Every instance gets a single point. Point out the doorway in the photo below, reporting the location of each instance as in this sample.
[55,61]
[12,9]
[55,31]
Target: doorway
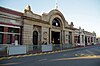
[85,40]
[35,38]
[55,37]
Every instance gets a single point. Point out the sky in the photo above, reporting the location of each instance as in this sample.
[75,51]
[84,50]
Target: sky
[84,13]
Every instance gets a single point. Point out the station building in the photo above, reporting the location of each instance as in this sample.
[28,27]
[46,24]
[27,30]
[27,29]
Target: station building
[31,28]
[83,37]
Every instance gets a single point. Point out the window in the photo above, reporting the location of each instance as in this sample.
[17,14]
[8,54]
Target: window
[1,38]
[6,20]
[13,30]
[17,38]
[82,38]
[75,39]
[9,38]
[70,37]
[79,39]
[1,29]
[1,19]
[56,22]
[13,21]
[88,40]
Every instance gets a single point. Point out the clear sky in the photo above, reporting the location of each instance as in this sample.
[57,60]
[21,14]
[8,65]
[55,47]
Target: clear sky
[84,13]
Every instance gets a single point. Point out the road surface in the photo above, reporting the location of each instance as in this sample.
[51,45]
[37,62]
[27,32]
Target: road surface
[85,56]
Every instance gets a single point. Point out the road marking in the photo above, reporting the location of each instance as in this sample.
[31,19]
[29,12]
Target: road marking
[42,60]
[90,52]
[45,53]
[35,54]
[1,58]
[25,55]
[85,55]
[96,49]
[39,54]
[75,58]
[49,52]
[76,54]
[52,52]
[10,63]
[30,54]
[9,57]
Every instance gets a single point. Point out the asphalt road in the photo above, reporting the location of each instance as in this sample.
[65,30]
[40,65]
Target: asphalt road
[85,56]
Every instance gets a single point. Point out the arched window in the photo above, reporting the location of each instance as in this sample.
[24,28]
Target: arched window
[56,22]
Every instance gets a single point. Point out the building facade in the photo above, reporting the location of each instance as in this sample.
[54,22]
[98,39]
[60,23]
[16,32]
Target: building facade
[47,28]
[10,26]
[84,37]
[98,40]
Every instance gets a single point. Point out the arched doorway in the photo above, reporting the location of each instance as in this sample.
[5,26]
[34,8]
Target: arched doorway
[55,35]
[35,38]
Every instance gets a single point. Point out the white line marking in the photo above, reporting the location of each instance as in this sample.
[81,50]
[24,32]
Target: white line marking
[90,52]
[96,50]
[42,60]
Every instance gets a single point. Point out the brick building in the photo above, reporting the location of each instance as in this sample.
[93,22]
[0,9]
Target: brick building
[10,26]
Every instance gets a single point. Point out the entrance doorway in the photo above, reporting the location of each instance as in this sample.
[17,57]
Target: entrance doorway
[85,40]
[35,38]
[55,37]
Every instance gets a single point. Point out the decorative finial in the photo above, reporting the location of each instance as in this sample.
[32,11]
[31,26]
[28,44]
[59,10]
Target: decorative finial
[79,27]
[28,8]
[71,24]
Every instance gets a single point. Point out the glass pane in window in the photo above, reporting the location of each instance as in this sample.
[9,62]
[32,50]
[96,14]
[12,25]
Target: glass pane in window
[56,22]
[13,21]
[1,29]
[1,19]
[1,38]
[9,39]
[16,37]
[13,30]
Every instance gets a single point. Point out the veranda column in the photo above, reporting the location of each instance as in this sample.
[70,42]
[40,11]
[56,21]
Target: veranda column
[90,40]
[80,39]
[84,40]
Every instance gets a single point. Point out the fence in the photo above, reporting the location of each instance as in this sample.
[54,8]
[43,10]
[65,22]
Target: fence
[26,49]
[62,46]
[33,48]
[3,50]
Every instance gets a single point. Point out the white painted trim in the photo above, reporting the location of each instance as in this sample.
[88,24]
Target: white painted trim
[10,33]
[9,26]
